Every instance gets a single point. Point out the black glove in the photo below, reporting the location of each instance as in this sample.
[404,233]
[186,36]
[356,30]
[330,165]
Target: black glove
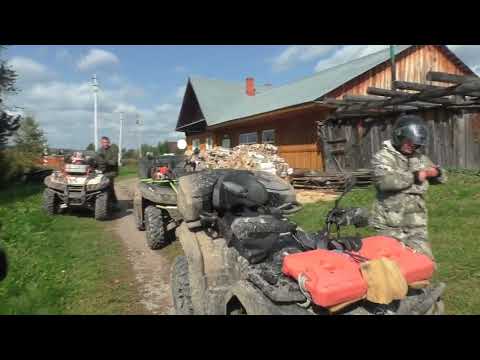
[351,243]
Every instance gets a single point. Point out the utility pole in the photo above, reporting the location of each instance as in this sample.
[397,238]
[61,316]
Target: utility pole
[95,121]
[120,141]
[393,68]
[139,123]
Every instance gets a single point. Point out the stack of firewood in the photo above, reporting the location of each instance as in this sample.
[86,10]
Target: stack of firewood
[248,157]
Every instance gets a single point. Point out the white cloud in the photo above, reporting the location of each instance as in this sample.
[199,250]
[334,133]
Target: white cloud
[29,70]
[347,53]
[469,54]
[326,55]
[164,108]
[95,58]
[65,112]
[295,54]
[180,91]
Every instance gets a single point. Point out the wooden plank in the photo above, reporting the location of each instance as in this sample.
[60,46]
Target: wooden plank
[460,140]
[391,93]
[449,78]
[451,134]
[433,140]
[362,98]
[425,95]
[406,85]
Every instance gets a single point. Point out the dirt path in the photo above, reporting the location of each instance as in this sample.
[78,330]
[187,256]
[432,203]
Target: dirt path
[151,268]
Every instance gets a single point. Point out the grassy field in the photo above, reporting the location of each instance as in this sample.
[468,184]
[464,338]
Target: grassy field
[67,264]
[128,170]
[454,230]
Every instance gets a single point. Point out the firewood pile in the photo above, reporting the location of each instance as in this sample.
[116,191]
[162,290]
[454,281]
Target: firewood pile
[248,157]
[325,181]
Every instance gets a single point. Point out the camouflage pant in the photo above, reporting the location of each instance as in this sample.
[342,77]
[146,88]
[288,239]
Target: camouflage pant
[111,189]
[414,237]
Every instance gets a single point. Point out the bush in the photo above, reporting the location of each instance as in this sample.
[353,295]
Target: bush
[129,162]
[14,164]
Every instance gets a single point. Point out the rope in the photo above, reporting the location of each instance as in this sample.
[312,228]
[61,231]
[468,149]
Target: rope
[302,278]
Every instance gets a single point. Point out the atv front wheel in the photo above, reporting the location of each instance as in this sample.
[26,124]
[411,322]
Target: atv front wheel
[102,206]
[137,209]
[180,281]
[51,203]
[155,227]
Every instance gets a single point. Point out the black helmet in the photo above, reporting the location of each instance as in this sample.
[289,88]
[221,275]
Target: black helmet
[411,127]
[196,151]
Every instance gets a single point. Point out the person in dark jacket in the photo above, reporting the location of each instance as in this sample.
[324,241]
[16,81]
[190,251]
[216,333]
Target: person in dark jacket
[107,162]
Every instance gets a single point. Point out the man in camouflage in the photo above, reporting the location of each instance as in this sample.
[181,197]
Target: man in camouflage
[402,176]
[107,160]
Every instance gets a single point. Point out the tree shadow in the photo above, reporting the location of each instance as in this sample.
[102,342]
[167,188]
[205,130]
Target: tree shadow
[126,208]
[18,192]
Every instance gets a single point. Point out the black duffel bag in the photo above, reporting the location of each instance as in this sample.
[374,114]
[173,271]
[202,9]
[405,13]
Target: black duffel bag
[256,238]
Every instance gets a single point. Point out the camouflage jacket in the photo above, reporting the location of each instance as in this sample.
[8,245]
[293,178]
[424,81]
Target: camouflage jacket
[400,200]
[107,161]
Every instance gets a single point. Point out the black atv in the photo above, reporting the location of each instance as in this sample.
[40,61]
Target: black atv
[155,199]
[235,235]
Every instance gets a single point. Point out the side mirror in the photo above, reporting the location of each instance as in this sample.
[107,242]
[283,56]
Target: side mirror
[235,189]
[3,264]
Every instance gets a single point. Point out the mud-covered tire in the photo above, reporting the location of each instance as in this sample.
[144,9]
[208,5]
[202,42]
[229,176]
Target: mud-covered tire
[51,202]
[155,228]
[180,283]
[138,221]
[102,206]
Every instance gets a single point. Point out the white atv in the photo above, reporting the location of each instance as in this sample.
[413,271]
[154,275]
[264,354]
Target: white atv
[78,185]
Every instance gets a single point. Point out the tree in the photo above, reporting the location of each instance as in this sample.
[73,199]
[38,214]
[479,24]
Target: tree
[29,137]
[162,147]
[130,154]
[8,123]
[90,147]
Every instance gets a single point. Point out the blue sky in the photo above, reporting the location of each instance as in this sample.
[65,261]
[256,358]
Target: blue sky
[150,80]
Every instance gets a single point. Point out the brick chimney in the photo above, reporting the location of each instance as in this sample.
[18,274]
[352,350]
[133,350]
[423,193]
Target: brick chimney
[250,86]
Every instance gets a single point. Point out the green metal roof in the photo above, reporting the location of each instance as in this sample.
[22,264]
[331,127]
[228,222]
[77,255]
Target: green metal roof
[222,101]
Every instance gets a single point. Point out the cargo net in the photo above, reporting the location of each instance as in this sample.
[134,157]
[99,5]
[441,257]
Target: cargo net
[263,157]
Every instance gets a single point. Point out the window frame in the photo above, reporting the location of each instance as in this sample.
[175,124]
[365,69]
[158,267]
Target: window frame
[246,134]
[227,137]
[269,142]
[209,143]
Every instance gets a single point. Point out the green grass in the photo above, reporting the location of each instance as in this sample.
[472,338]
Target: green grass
[129,170]
[65,264]
[454,230]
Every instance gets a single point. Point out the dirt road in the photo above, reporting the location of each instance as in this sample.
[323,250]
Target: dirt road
[151,268]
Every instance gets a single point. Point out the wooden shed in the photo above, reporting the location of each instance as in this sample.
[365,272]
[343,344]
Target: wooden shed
[220,113]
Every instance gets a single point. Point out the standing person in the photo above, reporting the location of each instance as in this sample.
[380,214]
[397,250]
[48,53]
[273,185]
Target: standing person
[402,176]
[107,160]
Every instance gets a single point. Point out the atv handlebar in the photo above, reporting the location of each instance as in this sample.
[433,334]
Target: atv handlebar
[291,208]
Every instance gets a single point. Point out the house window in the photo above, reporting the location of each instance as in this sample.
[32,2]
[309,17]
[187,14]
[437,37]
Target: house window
[195,144]
[226,142]
[248,138]
[209,143]
[268,136]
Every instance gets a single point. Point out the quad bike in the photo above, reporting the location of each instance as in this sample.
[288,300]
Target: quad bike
[78,185]
[235,236]
[155,199]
